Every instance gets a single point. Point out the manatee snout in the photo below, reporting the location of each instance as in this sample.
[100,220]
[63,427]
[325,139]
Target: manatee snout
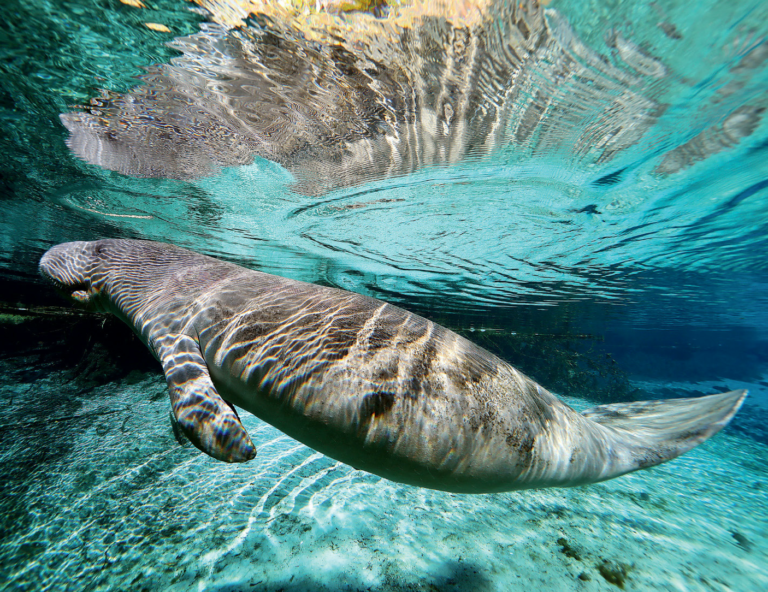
[70,267]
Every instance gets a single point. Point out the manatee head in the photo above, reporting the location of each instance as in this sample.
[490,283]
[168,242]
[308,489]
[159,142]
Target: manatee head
[76,269]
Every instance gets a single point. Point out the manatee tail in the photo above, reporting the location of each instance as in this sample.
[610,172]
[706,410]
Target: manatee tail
[648,433]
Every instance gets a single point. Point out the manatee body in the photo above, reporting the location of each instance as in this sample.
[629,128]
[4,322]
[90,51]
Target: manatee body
[360,380]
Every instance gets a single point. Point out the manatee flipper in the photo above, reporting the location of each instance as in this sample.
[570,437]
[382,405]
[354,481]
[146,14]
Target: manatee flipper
[178,434]
[207,420]
[657,431]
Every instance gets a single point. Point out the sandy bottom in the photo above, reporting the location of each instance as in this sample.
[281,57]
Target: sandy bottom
[97,495]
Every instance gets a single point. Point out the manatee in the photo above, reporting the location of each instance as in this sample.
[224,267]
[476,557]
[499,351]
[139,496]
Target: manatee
[360,380]
[384,99]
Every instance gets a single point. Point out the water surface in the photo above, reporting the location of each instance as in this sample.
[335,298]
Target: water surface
[579,187]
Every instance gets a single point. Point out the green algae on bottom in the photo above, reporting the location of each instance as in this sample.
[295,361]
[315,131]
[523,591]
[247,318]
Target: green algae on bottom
[614,572]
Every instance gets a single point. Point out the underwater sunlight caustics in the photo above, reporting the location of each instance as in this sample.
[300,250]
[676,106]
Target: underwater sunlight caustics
[361,380]
[423,277]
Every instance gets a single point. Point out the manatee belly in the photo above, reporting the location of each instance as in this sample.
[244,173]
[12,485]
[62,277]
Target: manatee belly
[454,439]
[372,385]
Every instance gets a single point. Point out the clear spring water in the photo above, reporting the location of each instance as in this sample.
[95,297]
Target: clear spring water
[580,187]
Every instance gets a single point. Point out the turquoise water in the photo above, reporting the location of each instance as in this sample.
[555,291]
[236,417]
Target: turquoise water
[579,187]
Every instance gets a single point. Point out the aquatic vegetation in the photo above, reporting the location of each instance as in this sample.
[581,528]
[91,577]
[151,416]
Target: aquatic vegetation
[567,550]
[614,572]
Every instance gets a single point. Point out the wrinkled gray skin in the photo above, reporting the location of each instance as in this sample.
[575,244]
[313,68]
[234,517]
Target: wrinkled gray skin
[360,380]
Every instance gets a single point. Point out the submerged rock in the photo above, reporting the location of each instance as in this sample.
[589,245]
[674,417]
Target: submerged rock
[614,572]
[742,541]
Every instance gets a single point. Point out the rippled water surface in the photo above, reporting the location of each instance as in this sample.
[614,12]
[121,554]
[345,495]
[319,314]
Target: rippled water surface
[580,187]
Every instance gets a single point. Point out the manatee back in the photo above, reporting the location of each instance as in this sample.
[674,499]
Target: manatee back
[257,323]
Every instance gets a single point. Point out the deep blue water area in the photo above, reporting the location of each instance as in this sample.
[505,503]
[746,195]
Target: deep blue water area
[579,187]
